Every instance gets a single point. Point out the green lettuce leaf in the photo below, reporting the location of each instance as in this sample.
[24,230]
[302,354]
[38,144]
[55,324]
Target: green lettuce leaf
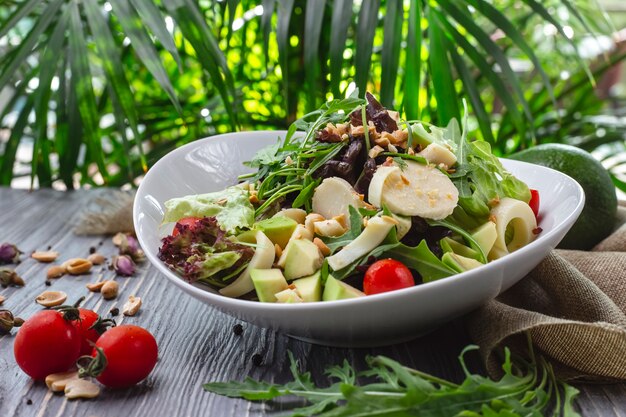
[231,207]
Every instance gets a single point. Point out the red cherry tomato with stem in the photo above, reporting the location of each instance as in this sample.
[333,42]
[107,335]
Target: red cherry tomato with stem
[189,222]
[387,275]
[47,343]
[90,326]
[123,356]
[534,201]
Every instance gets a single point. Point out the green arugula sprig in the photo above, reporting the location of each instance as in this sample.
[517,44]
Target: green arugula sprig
[526,389]
[287,167]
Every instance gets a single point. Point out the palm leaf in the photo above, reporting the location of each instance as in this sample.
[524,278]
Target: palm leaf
[19,13]
[391,51]
[413,70]
[340,22]
[366,29]
[313,19]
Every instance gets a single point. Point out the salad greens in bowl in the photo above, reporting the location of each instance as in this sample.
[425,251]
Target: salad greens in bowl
[349,233]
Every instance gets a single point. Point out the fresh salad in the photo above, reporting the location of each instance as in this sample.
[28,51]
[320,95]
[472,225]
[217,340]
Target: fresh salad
[353,201]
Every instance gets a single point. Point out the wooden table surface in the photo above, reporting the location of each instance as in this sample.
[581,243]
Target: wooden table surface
[196,343]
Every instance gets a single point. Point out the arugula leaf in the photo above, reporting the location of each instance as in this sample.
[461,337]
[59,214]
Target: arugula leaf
[482,257]
[527,389]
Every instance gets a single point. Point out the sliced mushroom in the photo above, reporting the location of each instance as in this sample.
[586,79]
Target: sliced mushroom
[132,306]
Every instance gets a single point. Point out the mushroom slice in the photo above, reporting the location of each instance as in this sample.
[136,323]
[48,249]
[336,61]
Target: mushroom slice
[334,196]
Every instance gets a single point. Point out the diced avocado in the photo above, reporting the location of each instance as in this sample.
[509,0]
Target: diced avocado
[339,290]
[268,282]
[277,229]
[459,263]
[288,296]
[486,236]
[303,259]
[310,288]
[249,236]
[458,248]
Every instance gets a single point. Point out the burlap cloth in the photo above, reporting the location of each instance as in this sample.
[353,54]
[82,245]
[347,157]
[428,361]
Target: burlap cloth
[573,306]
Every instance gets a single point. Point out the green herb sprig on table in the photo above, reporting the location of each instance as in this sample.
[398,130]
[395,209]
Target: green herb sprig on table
[529,389]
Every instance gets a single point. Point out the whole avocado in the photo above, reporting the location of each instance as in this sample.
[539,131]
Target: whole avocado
[597,219]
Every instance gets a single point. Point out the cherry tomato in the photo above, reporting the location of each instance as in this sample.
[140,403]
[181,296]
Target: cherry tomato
[88,336]
[387,275]
[186,221]
[534,201]
[131,353]
[46,343]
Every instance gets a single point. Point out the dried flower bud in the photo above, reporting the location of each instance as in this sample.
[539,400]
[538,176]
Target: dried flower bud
[128,245]
[8,321]
[9,277]
[123,265]
[9,253]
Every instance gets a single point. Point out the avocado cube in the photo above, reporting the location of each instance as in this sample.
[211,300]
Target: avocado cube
[310,288]
[459,263]
[303,259]
[486,236]
[277,229]
[458,248]
[339,290]
[249,236]
[268,282]
[288,296]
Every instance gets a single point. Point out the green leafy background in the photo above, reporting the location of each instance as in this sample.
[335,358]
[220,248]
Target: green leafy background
[95,92]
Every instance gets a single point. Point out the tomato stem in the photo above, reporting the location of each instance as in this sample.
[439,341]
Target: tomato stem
[94,367]
[101,325]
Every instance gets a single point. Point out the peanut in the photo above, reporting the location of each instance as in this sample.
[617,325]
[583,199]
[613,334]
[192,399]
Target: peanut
[78,266]
[45,256]
[2,299]
[325,250]
[109,290]
[132,306]
[96,259]
[51,298]
[55,271]
[57,382]
[95,286]
[80,388]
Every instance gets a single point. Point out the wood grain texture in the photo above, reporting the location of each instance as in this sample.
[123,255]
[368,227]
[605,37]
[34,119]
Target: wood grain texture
[196,342]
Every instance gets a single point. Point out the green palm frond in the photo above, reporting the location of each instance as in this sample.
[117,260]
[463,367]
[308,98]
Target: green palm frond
[102,89]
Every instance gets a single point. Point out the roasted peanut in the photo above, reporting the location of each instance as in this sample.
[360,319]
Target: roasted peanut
[96,259]
[78,266]
[57,382]
[325,250]
[81,388]
[2,299]
[96,286]
[310,219]
[132,306]
[109,290]
[55,271]
[45,256]
[51,298]
[278,250]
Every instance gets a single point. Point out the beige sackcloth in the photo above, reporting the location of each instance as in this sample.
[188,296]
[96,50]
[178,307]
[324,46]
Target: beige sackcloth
[573,307]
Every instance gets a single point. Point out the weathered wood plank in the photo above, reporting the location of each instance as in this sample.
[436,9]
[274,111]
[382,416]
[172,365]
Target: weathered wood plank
[196,342]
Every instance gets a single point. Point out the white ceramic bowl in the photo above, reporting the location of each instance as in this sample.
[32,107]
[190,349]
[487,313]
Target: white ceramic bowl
[214,163]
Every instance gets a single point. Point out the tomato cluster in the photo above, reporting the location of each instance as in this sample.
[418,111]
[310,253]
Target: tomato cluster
[52,341]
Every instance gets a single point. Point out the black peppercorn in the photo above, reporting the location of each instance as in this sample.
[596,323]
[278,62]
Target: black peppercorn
[238,329]
[257,360]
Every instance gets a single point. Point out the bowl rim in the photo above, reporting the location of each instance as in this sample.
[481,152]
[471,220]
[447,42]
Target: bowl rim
[216,298]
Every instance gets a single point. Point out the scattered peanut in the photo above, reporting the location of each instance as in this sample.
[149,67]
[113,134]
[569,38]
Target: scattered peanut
[55,271]
[109,290]
[310,219]
[2,299]
[132,306]
[96,259]
[51,298]
[278,250]
[77,266]
[254,199]
[45,256]
[81,388]
[57,382]
[95,286]
[325,250]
